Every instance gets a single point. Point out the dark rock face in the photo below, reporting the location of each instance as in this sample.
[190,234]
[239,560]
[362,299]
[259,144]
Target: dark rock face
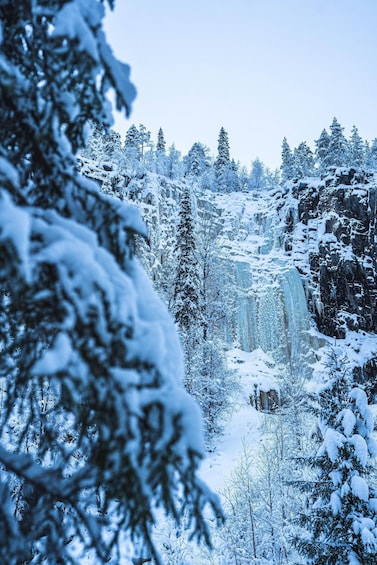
[337,217]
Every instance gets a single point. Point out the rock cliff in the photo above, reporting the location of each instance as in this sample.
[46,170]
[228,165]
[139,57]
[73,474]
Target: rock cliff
[331,234]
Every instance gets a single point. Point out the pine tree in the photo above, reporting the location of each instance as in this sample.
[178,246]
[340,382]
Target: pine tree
[132,139]
[225,171]
[227,178]
[223,153]
[197,160]
[340,523]
[92,432]
[355,149]
[161,144]
[287,162]
[337,145]
[322,152]
[112,145]
[303,160]
[161,157]
[174,163]
[370,152]
[187,300]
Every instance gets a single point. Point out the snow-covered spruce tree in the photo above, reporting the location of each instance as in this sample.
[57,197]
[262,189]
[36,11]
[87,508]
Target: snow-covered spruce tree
[205,369]
[197,160]
[337,145]
[198,164]
[322,152]
[187,293]
[132,139]
[355,149]
[132,153]
[161,164]
[287,162]
[340,522]
[223,154]
[372,155]
[174,163]
[187,299]
[95,147]
[161,143]
[303,160]
[96,431]
[226,170]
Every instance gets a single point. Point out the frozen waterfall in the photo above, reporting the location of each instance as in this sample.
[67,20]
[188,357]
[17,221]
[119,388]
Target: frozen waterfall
[271,311]
[270,308]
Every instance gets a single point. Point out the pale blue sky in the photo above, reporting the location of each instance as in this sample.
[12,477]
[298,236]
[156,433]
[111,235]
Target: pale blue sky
[263,69]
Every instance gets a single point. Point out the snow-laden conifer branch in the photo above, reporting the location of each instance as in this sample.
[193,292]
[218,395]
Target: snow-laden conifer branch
[97,432]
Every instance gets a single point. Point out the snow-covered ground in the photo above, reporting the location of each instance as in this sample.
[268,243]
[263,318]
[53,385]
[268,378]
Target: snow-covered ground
[244,422]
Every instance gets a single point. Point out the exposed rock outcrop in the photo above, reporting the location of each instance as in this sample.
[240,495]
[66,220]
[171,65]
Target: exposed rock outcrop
[331,233]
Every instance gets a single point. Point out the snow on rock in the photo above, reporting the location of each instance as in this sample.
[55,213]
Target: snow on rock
[254,368]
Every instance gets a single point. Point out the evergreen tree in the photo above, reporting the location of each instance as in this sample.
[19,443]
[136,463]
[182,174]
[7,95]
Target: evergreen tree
[227,178]
[103,145]
[355,149]
[161,157]
[197,161]
[132,139]
[226,170]
[112,145]
[322,152]
[303,160]
[287,162]
[372,157]
[187,299]
[340,523]
[337,145]
[161,144]
[132,154]
[174,163]
[92,432]
[223,153]
[94,148]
